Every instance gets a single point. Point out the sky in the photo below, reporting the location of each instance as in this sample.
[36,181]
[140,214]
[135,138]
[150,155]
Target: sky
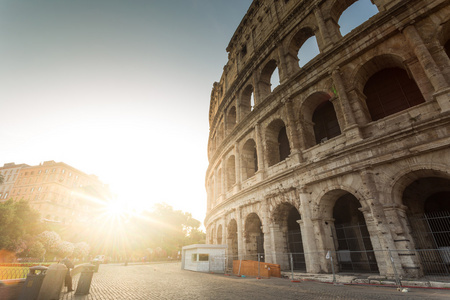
[115,88]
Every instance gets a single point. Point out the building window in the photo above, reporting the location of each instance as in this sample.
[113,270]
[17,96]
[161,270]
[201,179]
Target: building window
[53,170]
[203,257]
[46,171]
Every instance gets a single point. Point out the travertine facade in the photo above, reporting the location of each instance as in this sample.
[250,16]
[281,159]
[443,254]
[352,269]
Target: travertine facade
[358,137]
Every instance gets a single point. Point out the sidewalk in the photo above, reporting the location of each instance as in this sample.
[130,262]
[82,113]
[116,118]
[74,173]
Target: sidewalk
[370,279]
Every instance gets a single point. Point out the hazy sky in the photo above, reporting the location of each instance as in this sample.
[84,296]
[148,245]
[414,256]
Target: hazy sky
[115,88]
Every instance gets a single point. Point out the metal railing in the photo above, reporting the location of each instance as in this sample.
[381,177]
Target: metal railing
[13,272]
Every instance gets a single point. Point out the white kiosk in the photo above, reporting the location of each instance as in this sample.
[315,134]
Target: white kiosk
[204,258]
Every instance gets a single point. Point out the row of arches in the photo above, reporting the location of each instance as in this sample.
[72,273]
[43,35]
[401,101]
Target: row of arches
[385,85]
[387,92]
[343,224]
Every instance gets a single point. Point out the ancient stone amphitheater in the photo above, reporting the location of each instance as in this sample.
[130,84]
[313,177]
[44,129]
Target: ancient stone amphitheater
[349,155]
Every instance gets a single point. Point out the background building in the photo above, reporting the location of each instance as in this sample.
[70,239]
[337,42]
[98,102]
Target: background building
[349,154]
[58,191]
[10,173]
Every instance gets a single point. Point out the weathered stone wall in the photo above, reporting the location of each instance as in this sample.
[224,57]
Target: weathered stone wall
[374,161]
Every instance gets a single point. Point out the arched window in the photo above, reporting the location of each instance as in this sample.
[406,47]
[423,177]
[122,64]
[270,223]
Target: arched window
[308,51]
[283,144]
[278,147]
[390,91]
[231,119]
[355,15]
[247,101]
[249,159]
[326,125]
[269,79]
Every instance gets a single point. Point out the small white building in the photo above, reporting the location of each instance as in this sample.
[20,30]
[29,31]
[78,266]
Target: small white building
[204,258]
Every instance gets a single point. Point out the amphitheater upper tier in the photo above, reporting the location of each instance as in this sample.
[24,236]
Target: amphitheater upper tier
[356,136]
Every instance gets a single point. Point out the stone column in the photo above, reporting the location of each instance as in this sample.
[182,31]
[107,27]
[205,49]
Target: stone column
[293,132]
[237,164]
[308,234]
[282,67]
[240,233]
[238,108]
[351,129]
[377,225]
[279,253]
[256,89]
[326,41]
[432,71]
[260,151]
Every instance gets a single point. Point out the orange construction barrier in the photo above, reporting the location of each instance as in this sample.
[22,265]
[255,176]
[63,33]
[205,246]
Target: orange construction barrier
[250,268]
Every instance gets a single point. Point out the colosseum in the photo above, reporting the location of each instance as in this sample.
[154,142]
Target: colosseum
[349,154]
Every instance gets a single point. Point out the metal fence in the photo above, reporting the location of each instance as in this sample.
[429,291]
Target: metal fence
[13,272]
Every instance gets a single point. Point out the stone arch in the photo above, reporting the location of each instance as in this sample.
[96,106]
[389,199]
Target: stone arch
[247,100]
[232,241]
[298,41]
[317,107]
[386,86]
[277,142]
[249,159]
[406,176]
[231,172]
[219,183]
[219,235]
[265,80]
[369,10]
[426,200]
[231,119]
[288,235]
[343,218]
[254,238]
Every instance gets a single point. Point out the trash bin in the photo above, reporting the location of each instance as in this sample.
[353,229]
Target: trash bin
[33,283]
[96,264]
[84,283]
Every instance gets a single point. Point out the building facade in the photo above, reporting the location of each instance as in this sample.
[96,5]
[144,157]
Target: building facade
[9,172]
[349,154]
[61,193]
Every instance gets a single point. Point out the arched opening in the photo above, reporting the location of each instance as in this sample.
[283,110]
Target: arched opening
[247,101]
[352,240]
[390,91]
[283,144]
[249,159]
[355,15]
[219,235]
[326,125]
[286,216]
[231,172]
[231,119]
[267,82]
[303,46]
[232,242]
[428,202]
[278,148]
[254,238]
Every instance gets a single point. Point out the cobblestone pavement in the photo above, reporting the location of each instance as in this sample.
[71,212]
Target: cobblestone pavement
[168,281]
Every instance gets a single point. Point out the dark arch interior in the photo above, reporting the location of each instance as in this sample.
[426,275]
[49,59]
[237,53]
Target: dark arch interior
[283,143]
[326,125]
[352,240]
[390,91]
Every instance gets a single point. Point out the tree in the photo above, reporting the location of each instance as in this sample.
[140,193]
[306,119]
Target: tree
[50,240]
[81,250]
[64,249]
[17,220]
